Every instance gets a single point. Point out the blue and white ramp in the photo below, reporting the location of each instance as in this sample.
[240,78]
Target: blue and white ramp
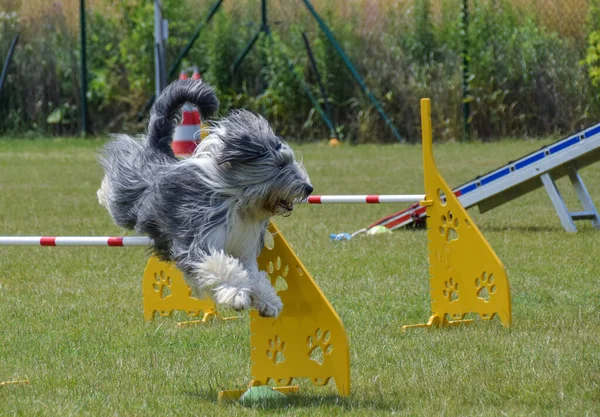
[540,168]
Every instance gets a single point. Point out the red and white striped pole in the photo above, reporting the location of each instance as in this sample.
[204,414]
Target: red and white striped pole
[121,241]
[124,241]
[365,199]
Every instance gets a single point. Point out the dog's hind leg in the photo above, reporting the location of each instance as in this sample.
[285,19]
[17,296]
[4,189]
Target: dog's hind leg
[223,277]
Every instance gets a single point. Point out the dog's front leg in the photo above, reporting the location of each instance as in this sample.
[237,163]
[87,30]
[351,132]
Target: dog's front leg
[220,275]
[263,298]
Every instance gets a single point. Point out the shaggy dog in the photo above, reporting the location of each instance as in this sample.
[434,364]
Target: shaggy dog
[208,213]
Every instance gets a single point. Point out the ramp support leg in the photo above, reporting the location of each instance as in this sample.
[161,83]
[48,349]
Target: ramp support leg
[558,202]
[582,192]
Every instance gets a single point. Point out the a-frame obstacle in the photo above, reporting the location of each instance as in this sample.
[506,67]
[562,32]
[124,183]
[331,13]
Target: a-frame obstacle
[466,277]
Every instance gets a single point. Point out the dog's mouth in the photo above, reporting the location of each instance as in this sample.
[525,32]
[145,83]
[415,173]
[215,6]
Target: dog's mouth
[287,206]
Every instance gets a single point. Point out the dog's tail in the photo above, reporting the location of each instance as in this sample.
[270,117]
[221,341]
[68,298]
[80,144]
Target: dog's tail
[161,128]
[131,166]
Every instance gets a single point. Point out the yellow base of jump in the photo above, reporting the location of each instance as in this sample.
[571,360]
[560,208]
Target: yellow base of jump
[21,382]
[308,339]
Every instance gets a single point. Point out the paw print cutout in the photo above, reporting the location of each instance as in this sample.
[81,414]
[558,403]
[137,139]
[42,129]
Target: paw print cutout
[276,349]
[278,273]
[485,286]
[449,226]
[163,284]
[441,195]
[319,346]
[450,290]
[268,240]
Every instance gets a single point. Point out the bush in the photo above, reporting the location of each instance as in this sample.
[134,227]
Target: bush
[525,78]
[592,57]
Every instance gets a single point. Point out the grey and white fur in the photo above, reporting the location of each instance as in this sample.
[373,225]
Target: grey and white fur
[208,213]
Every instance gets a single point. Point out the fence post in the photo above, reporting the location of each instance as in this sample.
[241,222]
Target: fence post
[83,69]
[160,56]
[466,99]
[11,50]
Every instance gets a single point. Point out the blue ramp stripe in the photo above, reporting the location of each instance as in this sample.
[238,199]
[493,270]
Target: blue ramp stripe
[565,144]
[468,189]
[592,132]
[530,160]
[495,176]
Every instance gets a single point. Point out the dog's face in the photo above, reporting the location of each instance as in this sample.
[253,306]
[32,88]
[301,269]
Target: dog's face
[253,158]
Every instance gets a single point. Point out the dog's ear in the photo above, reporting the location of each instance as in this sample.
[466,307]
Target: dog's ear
[246,138]
[241,150]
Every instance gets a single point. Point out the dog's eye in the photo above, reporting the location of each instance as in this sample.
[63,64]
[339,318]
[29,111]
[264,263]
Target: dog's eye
[278,147]
[281,166]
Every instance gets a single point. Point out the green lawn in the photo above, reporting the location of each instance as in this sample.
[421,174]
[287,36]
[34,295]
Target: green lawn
[72,323]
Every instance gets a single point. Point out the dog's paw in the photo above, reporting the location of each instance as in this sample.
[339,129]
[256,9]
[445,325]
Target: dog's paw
[232,297]
[272,308]
[240,301]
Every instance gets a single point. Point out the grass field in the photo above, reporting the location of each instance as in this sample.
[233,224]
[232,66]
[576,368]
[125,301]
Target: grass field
[71,318]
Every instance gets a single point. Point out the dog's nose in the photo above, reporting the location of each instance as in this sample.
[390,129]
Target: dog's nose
[308,189]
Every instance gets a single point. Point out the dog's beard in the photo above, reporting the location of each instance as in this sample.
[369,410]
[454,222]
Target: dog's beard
[274,196]
[285,206]
[283,203]
[270,205]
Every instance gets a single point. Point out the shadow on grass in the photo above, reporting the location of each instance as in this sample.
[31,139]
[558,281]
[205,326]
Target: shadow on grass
[523,228]
[304,401]
[344,403]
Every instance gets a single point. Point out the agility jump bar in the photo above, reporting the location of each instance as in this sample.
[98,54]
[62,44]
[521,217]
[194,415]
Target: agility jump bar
[123,241]
[75,241]
[365,199]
